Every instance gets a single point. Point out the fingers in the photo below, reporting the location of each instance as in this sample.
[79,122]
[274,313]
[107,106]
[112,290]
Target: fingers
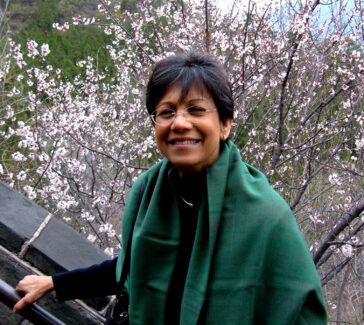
[19,286]
[34,287]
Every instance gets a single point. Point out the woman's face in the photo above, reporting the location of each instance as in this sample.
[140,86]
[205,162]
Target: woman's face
[190,146]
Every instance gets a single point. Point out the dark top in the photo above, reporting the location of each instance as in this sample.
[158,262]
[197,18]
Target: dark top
[85,282]
[188,191]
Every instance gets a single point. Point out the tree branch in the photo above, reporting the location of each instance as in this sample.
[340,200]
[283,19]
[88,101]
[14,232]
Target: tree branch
[334,271]
[207,33]
[345,221]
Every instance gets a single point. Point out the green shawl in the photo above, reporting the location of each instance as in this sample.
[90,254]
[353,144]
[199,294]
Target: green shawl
[249,263]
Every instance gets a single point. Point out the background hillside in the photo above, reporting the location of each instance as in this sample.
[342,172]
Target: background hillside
[20,13]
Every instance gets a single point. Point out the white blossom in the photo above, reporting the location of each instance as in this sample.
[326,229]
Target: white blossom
[32,48]
[347,250]
[21,176]
[45,50]
[17,156]
[109,251]
[91,238]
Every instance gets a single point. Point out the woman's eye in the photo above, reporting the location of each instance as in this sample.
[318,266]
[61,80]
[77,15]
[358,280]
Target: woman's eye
[194,110]
[168,113]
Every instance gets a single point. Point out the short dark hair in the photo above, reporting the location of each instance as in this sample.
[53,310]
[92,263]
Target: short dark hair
[191,69]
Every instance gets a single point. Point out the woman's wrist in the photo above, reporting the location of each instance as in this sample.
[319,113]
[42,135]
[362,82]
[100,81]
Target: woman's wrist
[49,284]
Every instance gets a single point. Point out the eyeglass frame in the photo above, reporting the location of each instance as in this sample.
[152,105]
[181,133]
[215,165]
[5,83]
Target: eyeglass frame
[185,114]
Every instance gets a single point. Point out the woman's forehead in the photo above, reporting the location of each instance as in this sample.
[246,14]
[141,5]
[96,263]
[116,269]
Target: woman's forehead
[178,93]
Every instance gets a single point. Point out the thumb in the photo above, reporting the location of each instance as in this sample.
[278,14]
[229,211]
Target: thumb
[22,303]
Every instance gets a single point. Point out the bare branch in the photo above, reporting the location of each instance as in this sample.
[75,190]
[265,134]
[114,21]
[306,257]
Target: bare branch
[207,32]
[345,221]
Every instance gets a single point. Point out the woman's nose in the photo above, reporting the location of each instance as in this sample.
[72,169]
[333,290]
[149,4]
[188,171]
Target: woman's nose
[181,121]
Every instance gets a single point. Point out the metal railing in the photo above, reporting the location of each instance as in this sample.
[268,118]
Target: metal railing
[33,313]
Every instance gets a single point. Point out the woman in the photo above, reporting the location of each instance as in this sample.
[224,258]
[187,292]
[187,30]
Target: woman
[212,242]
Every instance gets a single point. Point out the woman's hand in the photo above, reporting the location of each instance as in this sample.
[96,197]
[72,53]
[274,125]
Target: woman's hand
[34,287]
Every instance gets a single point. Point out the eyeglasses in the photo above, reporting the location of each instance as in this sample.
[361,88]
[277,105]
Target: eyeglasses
[193,114]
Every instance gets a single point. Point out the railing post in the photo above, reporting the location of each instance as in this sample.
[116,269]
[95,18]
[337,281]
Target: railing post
[33,313]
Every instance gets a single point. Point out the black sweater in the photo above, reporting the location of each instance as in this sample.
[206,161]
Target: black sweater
[100,279]
[94,281]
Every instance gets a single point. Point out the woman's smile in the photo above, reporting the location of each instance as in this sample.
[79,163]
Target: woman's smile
[182,142]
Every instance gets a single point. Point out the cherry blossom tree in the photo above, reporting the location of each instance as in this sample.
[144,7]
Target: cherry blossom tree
[77,146]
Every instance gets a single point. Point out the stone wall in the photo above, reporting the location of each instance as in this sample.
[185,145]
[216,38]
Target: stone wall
[34,242]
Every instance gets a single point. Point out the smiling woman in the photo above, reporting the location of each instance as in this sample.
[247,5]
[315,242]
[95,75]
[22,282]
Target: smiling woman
[212,242]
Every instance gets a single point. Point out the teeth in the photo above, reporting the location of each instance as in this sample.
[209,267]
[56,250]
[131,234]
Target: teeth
[185,142]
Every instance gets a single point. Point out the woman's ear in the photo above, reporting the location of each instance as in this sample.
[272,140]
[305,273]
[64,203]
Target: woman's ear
[225,129]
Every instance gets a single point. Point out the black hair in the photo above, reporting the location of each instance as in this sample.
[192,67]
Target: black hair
[191,69]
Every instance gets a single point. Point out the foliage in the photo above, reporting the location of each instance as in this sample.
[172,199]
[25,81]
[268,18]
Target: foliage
[79,143]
